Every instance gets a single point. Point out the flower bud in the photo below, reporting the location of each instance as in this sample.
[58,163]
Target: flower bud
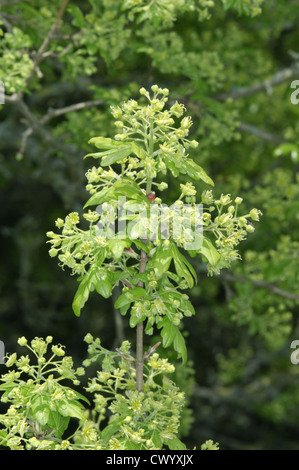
[194,144]
[22,341]
[254,214]
[238,200]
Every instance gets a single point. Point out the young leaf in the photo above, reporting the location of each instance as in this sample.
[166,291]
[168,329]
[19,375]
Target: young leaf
[105,143]
[99,198]
[171,334]
[139,151]
[135,319]
[196,172]
[78,395]
[40,408]
[79,19]
[129,296]
[82,293]
[111,156]
[157,439]
[175,444]
[136,229]
[130,445]
[70,408]
[103,286]
[58,423]
[180,345]
[125,188]
[171,166]
[117,246]
[130,189]
[161,260]
[167,332]
[183,268]
[111,429]
[123,301]
[210,252]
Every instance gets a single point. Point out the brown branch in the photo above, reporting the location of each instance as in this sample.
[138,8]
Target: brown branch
[36,126]
[261,284]
[243,126]
[151,351]
[53,113]
[267,85]
[250,129]
[47,40]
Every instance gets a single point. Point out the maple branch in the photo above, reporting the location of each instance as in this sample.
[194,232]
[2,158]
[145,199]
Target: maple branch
[47,40]
[243,92]
[272,287]
[53,113]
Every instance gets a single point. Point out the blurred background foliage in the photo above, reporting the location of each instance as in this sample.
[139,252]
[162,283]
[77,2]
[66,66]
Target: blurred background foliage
[231,62]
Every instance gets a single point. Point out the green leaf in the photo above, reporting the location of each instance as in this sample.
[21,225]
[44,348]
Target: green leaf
[111,156]
[187,305]
[175,444]
[110,430]
[196,172]
[125,187]
[228,4]
[139,151]
[58,423]
[139,244]
[89,282]
[117,246]
[105,143]
[40,408]
[168,332]
[171,166]
[123,301]
[3,435]
[135,319]
[130,189]
[130,445]
[210,252]
[157,439]
[103,286]
[70,408]
[82,293]
[183,268]
[78,395]
[99,198]
[136,230]
[100,256]
[180,345]
[171,334]
[161,260]
[79,19]
[130,296]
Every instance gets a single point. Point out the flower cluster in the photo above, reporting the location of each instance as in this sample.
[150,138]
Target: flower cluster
[147,419]
[40,407]
[154,129]
[228,228]
[154,139]
[76,248]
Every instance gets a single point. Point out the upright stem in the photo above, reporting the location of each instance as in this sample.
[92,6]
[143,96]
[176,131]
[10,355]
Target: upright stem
[143,259]
[139,335]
